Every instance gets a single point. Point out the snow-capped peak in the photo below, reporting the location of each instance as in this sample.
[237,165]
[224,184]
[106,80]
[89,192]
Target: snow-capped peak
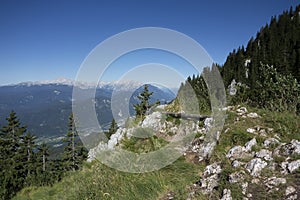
[118,85]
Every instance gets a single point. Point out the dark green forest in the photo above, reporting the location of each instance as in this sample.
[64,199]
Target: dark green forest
[267,71]
[25,163]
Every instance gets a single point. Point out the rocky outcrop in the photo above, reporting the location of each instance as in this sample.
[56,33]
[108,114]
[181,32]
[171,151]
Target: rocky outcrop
[226,195]
[255,166]
[210,178]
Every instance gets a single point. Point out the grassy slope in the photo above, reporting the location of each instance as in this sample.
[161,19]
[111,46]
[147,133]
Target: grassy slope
[97,181]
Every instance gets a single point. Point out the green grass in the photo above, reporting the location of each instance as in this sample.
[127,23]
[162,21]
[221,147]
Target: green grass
[97,181]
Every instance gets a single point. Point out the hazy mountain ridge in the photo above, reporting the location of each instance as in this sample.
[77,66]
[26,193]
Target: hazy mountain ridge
[44,106]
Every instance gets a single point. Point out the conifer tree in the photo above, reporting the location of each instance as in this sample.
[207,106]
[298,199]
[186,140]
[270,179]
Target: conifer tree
[12,165]
[144,105]
[43,155]
[74,152]
[113,128]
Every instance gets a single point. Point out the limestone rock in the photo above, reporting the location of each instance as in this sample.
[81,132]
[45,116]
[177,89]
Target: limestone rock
[293,166]
[242,111]
[236,177]
[237,152]
[265,154]
[244,188]
[236,163]
[214,168]
[270,141]
[251,130]
[255,166]
[226,195]
[205,150]
[250,144]
[274,182]
[151,121]
[253,115]
[209,183]
[290,190]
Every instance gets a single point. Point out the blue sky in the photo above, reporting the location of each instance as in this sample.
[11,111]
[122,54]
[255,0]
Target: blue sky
[44,40]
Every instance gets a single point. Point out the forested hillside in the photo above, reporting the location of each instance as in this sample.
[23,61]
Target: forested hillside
[277,44]
[266,73]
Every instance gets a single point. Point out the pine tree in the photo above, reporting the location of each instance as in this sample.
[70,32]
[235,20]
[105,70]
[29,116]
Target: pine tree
[43,152]
[113,128]
[29,157]
[74,152]
[144,105]
[12,163]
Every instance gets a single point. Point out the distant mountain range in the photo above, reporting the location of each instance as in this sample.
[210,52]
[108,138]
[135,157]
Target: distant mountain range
[45,106]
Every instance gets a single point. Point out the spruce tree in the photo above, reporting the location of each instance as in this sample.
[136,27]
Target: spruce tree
[113,128]
[74,151]
[29,157]
[13,171]
[144,105]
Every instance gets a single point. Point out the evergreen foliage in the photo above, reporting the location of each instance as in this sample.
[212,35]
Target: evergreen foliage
[113,128]
[74,151]
[277,44]
[24,163]
[144,105]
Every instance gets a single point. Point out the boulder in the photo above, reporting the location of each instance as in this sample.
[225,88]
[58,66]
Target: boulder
[274,182]
[236,163]
[255,166]
[236,177]
[152,121]
[265,154]
[290,190]
[270,141]
[251,130]
[214,168]
[253,115]
[293,166]
[242,111]
[226,195]
[208,184]
[250,144]
[237,152]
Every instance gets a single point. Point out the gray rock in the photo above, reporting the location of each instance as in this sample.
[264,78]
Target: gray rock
[214,168]
[283,166]
[293,197]
[296,146]
[253,115]
[270,141]
[251,130]
[237,152]
[236,163]
[236,177]
[226,195]
[291,148]
[232,88]
[205,150]
[293,166]
[244,188]
[250,144]
[241,111]
[152,121]
[209,183]
[265,154]
[290,190]
[208,122]
[255,166]
[274,182]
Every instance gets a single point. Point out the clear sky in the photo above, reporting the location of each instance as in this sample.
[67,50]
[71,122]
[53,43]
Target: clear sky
[44,40]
